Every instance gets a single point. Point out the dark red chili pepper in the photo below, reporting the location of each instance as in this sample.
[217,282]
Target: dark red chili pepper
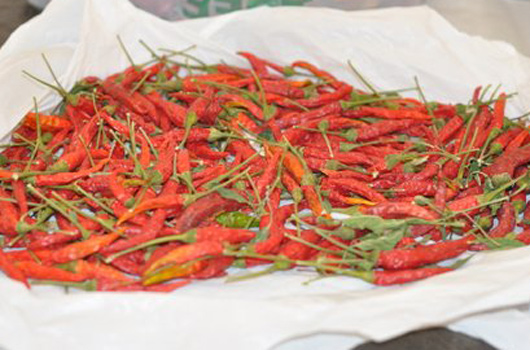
[202,209]
[508,161]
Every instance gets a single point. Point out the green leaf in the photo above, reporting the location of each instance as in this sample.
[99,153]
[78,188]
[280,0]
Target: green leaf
[501,179]
[3,160]
[461,110]
[386,242]
[409,168]
[191,119]
[323,126]
[267,135]
[269,111]
[288,71]
[485,222]
[420,146]
[438,123]
[46,137]
[423,201]
[240,185]
[346,147]
[235,219]
[333,165]
[229,194]
[261,235]
[378,225]
[155,177]
[350,134]
[500,243]
[129,203]
[345,232]
[391,160]
[458,263]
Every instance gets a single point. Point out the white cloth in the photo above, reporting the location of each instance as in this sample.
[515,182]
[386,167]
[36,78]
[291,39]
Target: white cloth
[390,47]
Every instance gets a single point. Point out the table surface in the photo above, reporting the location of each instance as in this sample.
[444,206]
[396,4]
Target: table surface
[15,12]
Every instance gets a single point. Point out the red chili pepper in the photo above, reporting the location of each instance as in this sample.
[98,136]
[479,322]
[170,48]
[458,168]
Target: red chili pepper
[517,141]
[326,98]
[49,241]
[392,114]
[300,250]
[85,248]
[47,122]
[350,158]
[150,230]
[357,187]
[240,101]
[346,174]
[275,226]
[203,209]
[203,150]
[19,192]
[387,278]
[503,139]
[186,253]
[393,210]
[450,128]
[100,271]
[10,215]
[168,201]
[299,118]
[506,221]
[216,268]
[11,270]
[269,174]
[383,128]
[400,259]
[282,88]
[35,270]
[498,111]
[508,161]
[328,78]
[165,160]
[118,191]
[524,237]
[66,178]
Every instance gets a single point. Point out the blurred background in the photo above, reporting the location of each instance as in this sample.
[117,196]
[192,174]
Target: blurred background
[505,20]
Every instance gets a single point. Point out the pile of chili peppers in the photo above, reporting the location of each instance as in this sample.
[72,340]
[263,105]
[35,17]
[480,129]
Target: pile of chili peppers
[174,171]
